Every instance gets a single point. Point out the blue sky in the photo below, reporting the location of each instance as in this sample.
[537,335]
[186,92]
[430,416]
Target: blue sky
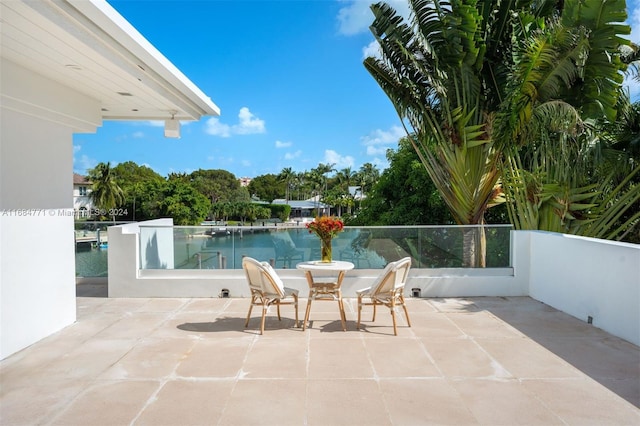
[287,76]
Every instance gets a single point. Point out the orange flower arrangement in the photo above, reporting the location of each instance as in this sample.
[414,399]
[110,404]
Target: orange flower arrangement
[325,227]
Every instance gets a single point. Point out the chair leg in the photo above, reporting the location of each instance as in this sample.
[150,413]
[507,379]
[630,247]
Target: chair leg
[253,299]
[295,304]
[393,316]
[278,307]
[359,311]
[374,311]
[306,315]
[343,317]
[406,312]
[264,316]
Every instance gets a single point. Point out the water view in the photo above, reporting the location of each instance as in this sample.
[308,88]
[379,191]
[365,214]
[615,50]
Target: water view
[91,261]
[220,247]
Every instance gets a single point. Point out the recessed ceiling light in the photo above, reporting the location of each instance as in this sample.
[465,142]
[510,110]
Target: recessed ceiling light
[73,67]
[124,94]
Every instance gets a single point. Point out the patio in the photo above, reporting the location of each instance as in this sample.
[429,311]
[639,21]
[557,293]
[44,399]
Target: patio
[191,362]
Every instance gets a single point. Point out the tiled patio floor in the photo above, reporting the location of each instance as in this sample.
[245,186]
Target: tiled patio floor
[190,362]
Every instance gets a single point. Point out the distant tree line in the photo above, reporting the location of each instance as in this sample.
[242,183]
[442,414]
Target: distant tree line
[217,194]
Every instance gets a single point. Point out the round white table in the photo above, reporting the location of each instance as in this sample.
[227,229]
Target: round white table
[327,286]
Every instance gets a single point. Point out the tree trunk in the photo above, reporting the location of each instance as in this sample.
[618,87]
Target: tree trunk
[474,247]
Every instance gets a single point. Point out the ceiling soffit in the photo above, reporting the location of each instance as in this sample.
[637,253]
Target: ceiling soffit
[88,46]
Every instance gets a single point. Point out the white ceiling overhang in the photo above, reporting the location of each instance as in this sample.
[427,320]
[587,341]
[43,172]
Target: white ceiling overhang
[88,46]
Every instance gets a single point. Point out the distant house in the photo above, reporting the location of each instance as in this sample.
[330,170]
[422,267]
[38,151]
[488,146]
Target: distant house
[82,204]
[305,208]
[244,181]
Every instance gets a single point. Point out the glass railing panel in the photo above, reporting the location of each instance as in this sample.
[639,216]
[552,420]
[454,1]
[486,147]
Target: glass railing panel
[446,246]
[221,247]
[91,245]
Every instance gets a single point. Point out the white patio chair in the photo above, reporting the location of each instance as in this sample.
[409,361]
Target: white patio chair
[387,290]
[267,289]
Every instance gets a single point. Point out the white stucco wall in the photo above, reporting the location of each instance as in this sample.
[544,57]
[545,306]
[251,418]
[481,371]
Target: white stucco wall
[587,277]
[37,279]
[37,264]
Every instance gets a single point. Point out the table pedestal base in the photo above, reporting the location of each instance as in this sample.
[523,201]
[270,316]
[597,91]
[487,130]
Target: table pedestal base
[325,291]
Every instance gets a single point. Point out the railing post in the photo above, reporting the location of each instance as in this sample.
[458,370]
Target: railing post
[223,262]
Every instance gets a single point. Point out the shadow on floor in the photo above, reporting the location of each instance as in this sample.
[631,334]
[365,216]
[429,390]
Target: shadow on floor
[96,288]
[601,356]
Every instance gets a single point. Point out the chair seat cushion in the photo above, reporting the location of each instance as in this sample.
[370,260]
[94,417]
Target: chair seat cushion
[363,291]
[290,291]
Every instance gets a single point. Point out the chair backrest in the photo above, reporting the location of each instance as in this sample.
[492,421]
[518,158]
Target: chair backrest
[393,277]
[402,267]
[262,277]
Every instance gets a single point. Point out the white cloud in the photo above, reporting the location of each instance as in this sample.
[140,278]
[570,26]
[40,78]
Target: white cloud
[380,163]
[138,134]
[248,124]
[84,163]
[280,144]
[340,162]
[376,150]
[372,49]
[379,140]
[292,155]
[216,128]
[356,16]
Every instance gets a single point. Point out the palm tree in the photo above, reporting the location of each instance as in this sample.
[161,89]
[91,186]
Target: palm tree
[287,176]
[323,170]
[344,177]
[299,183]
[315,180]
[367,176]
[432,73]
[320,177]
[106,195]
[559,108]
